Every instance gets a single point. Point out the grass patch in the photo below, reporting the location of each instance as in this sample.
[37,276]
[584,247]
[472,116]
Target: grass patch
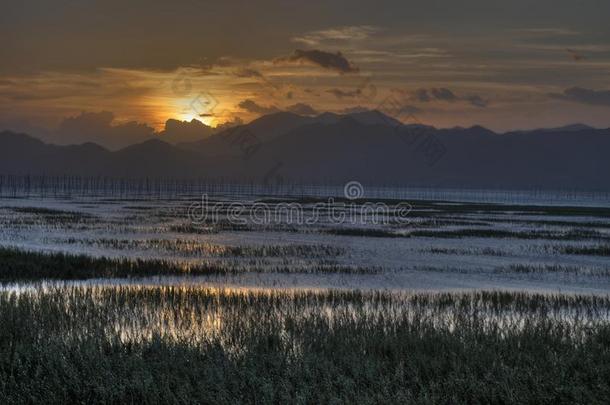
[195,248]
[49,212]
[465,252]
[552,269]
[19,265]
[600,250]
[48,216]
[572,234]
[202,345]
[16,265]
[364,232]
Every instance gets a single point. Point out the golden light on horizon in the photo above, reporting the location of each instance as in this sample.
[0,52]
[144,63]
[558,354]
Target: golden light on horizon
[187,116]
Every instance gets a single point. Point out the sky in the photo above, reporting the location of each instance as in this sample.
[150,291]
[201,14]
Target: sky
[502,64]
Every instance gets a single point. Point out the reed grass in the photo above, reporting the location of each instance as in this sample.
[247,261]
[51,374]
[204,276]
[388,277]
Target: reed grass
[204,345]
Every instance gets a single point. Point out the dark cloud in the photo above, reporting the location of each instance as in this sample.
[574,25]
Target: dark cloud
[575,55]
[477,101]
[422,95]
[185,131]
[229,124]
[584,96]
[438,94]
[253,107]
[101,119]
[302,109]
[443,94]
[98,127]
[446,95]
[345,93]
[326,60]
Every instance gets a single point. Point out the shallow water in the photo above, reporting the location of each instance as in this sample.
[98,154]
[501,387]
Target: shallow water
[284,255]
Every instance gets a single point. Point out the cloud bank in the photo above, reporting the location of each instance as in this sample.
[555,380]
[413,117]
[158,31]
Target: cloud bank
[253,107]
[327,60]
[446,95]
[584,96]
[99,127]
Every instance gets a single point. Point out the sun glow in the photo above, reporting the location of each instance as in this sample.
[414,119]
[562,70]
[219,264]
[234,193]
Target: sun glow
[209,121]
[193,108]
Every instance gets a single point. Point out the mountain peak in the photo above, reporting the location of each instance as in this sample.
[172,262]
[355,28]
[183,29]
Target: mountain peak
[151,145]
[344,149]
[572,127]
[280,115]
[481,130]
[374,117]
[13,140]
[576,127]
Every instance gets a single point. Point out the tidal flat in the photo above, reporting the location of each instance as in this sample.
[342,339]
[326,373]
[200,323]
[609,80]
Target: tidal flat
[111,300]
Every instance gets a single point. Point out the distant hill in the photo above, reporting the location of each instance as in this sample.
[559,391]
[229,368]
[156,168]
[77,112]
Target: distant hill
[368,147]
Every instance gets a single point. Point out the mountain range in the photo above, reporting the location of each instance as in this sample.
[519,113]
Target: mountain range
[367,146]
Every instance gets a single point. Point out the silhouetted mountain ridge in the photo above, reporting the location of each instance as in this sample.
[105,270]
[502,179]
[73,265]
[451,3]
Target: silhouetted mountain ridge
[367,147]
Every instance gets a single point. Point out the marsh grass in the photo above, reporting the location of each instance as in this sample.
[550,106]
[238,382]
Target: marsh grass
[363,232]
[51,213]
[21,265]
[599,250]
[487,251]
[40,216]
[26,265]
[224,225]
[553,269]
[205,249]
[570,234]
[204,345]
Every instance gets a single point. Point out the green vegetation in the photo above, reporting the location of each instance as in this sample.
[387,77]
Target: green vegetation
[599,250]
[553,268]
[19,265]
[212,227]
[434,207]
[471,251]
[48,216]
[364,232]
[571,234]
[198,248]
[203,345]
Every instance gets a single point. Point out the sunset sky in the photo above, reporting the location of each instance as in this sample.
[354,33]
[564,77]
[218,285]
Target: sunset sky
[502,64]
